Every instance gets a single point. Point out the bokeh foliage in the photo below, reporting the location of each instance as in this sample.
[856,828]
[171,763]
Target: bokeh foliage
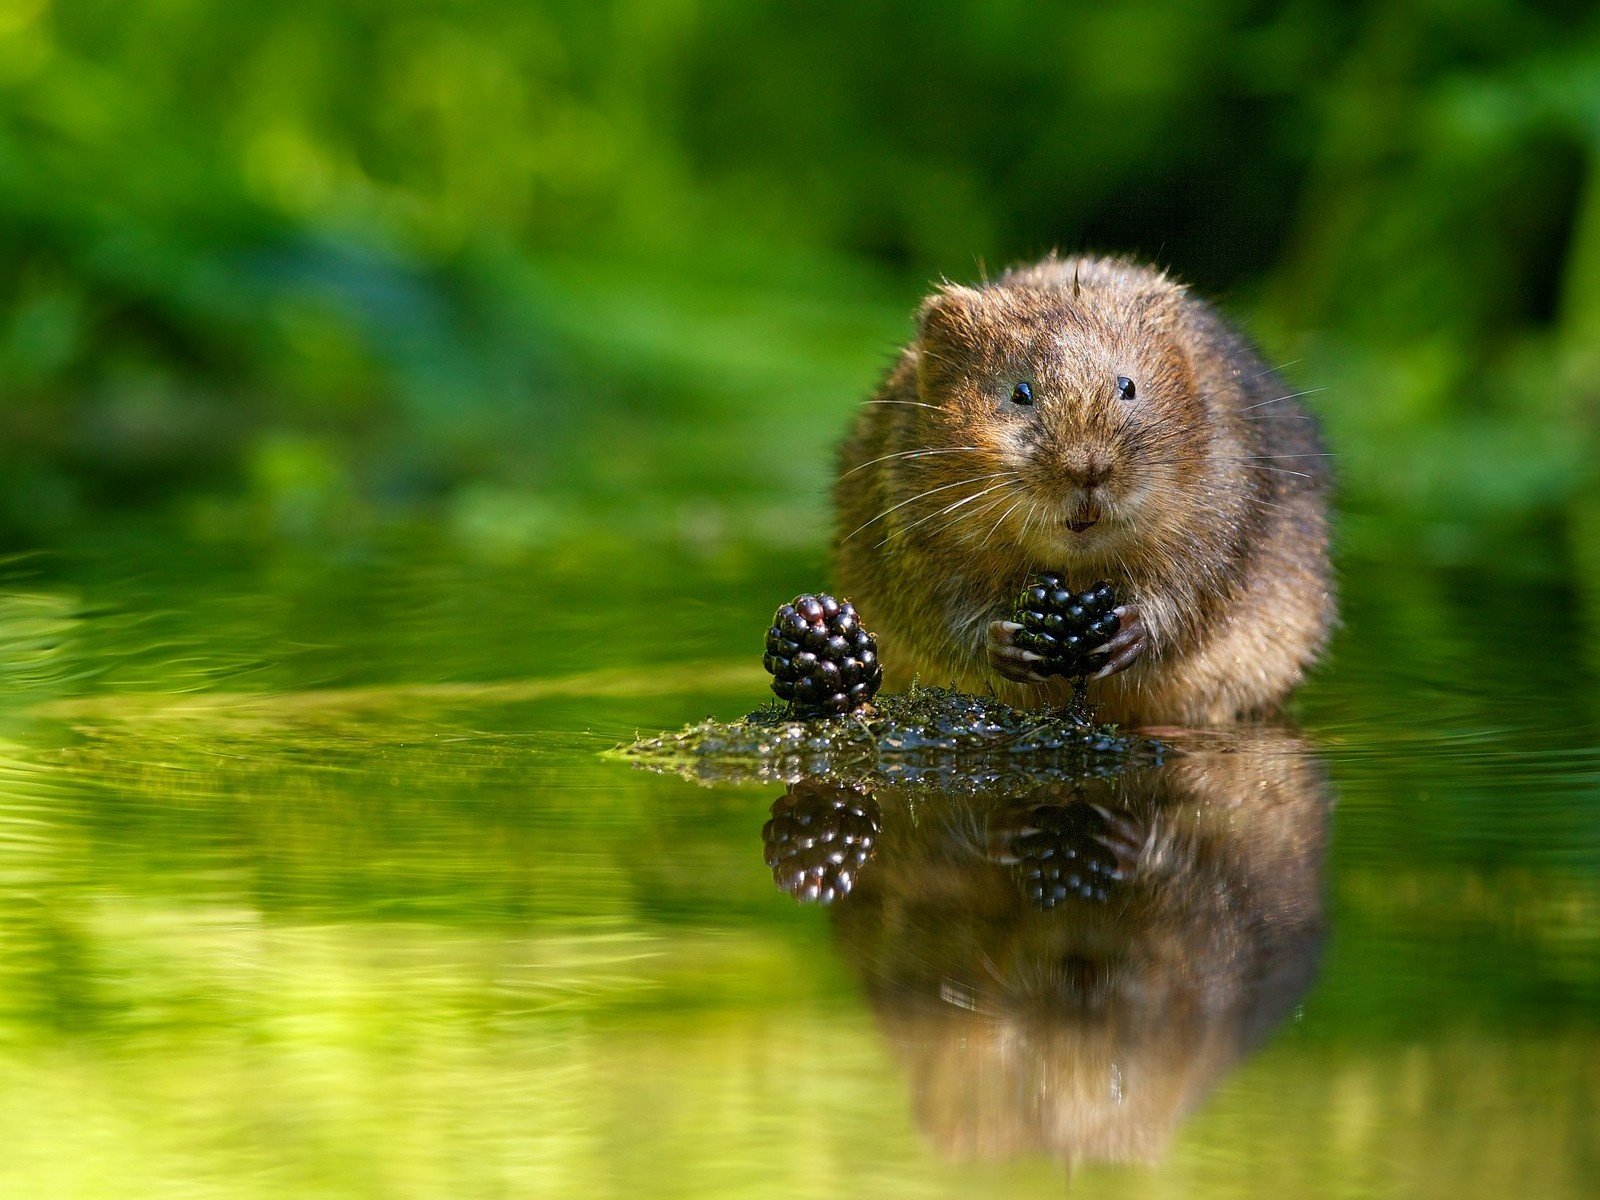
[548,267]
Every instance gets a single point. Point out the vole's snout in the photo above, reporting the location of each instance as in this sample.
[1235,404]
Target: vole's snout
[1087,470]
[1082,477]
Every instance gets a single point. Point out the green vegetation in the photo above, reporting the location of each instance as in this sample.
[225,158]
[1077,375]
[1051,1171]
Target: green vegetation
[544,269]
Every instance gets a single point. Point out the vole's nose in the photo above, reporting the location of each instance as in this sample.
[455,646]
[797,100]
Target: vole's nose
[1088,470]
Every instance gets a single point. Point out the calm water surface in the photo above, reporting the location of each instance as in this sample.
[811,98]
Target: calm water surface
[313,883]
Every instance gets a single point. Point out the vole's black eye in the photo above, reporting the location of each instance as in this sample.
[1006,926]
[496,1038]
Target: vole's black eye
[1124,387]
[1022,393]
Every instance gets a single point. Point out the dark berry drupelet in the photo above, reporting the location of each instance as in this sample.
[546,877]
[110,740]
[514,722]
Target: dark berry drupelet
[1063,627]
[819,838]
[1065,853]
[821,660]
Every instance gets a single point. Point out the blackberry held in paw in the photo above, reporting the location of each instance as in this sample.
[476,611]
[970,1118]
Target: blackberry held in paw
[821,659]
[1066,630]
[1093,416]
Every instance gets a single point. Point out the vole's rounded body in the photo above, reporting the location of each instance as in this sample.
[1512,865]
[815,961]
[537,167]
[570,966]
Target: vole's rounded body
[1090,417]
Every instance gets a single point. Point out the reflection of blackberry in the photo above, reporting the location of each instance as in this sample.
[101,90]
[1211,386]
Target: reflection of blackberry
[1065,854]
[819,838]
[1062,627]
[821,660]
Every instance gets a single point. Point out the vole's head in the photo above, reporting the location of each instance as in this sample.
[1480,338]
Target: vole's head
[1073,394]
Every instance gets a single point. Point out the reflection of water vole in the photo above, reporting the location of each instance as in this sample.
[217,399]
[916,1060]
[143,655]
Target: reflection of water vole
[1089,416]
[1089,1030]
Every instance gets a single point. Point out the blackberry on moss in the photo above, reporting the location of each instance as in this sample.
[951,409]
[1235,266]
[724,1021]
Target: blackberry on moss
[820,658]
[820,836]
[1064,627]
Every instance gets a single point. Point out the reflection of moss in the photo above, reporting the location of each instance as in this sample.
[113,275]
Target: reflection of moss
[924,732]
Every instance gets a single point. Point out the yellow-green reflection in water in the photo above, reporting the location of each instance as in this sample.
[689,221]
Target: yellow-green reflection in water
[312,883]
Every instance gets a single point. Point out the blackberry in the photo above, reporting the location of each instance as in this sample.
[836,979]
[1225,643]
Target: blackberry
[820,658]
[819,838]
[1065,853]
[1063,627]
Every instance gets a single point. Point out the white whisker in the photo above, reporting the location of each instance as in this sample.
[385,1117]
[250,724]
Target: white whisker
[1001,519]
[947,509]
[910,454]
[1280,399]
[920,495]
[1258,375]
[976,513]
[1282,471]
[1034,510]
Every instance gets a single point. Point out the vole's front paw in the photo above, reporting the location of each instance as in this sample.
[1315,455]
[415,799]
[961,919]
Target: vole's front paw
[1126,645]
[1009,659]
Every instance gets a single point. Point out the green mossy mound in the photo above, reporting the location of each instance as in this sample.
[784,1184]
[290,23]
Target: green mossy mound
[926,734]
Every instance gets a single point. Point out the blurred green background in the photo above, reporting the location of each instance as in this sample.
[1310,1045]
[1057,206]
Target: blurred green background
[560,270]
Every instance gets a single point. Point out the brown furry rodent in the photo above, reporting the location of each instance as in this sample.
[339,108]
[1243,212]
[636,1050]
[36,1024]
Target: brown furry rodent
[1088,416]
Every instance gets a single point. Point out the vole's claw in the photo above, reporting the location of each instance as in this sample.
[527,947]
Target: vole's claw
[1007,658]
[1126,645]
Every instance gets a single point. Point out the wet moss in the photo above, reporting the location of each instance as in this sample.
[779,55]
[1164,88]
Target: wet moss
[928,734]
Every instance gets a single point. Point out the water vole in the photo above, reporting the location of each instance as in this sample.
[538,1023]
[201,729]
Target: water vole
[1089,416]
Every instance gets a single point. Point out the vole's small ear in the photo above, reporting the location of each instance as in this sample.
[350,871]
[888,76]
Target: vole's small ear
[950,315]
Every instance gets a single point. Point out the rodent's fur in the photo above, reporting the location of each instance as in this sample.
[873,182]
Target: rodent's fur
[1209,487]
